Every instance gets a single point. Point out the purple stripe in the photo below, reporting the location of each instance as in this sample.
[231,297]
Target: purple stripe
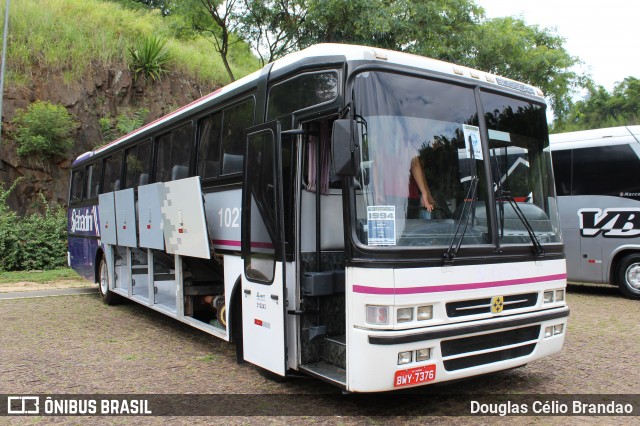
[455,287]
[235,243]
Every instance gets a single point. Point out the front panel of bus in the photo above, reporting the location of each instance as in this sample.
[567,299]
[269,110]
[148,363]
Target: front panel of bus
[456,265]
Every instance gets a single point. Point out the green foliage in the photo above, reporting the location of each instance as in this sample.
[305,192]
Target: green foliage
[510,48]
[43,130]
[39,276]
[125,123]
[150,58]
[34,241]
[600,108]
[73,36]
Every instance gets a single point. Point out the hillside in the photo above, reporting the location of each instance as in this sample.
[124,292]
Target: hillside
[76,53]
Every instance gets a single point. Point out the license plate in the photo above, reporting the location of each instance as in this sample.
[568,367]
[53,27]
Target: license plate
[414,376]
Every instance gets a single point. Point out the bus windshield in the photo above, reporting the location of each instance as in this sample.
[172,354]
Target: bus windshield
[521,170]
[423,180]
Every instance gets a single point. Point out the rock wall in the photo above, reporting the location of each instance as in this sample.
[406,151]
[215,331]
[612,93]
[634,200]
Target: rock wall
[102,93]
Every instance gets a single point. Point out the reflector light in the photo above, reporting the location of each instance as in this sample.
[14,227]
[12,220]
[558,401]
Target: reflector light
[378,315]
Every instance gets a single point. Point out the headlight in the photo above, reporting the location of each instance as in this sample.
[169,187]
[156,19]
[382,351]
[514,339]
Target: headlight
[559,295]
[548,296]
[425,312]
[423,354]
[405,314]
[404,357]
[378,315]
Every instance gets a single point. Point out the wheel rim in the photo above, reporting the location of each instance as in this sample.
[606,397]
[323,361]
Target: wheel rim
[632,276]
[104,278]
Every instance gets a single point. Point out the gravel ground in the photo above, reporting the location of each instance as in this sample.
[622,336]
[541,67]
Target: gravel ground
[77,345]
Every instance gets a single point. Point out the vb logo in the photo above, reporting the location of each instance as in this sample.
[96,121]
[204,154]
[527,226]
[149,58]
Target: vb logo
[611,223]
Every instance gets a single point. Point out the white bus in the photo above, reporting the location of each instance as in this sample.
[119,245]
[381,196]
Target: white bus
[596,174]
[374,219]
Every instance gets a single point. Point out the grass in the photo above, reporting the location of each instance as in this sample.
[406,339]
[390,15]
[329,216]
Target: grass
[40,276]
[72,36]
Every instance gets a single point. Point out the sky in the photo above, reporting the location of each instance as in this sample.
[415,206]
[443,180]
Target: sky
[603,35]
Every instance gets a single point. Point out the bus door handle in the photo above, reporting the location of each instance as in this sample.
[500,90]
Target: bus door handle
[247,291]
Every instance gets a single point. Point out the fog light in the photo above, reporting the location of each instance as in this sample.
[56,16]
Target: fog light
[425,313]
[548,296]
[559,295]
[405,314]
[378,315]
[404,358]
[423,354]
[558,329]
[548,332]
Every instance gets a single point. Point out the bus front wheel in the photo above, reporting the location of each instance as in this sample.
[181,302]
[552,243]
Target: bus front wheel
[107,296]
[629,276]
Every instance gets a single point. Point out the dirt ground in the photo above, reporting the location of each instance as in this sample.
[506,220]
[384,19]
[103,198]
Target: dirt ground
[77,345]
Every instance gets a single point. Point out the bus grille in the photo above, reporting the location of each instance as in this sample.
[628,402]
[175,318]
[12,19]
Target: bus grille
[485,342]
[483,306]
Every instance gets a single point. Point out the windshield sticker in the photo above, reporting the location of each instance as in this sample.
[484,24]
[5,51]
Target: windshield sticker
[381,224]
[472,140]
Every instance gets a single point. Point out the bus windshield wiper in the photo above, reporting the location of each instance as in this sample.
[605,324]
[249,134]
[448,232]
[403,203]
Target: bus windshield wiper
[470,200]
[537,247]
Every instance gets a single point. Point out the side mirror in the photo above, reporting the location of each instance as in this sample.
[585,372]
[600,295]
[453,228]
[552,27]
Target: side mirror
[344,148]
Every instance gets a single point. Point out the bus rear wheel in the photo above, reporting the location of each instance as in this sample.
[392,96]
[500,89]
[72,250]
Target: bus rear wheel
[107,296]
[629,276]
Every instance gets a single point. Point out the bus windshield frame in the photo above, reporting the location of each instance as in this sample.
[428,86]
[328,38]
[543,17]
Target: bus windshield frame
[434,176]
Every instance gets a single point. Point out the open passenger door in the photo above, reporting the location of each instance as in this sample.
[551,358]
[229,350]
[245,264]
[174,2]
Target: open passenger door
[263,283]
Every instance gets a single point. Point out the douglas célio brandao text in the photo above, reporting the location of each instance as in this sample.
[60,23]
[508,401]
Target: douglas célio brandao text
[551,407]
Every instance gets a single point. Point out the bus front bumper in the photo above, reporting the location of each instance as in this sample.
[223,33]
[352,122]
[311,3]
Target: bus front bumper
[396,359]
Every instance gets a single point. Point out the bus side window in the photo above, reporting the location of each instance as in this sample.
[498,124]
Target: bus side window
[562,171]
[174,154]
[92,180]
[236,119]
[302,91]
[604,170]
[209,131]
[77,183]
[137,164]
[112,171]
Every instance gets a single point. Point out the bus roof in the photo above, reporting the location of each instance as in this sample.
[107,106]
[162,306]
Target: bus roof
[350,53]
[595,137]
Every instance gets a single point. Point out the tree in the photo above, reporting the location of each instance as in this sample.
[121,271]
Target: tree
[451,30]
[510,48]
[600,108]
[223,15]
[272,27]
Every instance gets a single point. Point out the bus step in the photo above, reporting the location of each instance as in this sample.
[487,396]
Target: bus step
[327,372]
[334,351]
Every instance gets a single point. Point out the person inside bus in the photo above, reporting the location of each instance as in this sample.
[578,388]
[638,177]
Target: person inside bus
[409,192]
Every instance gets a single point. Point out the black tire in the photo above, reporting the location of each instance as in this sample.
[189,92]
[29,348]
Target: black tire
[628,274]
[107,296]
